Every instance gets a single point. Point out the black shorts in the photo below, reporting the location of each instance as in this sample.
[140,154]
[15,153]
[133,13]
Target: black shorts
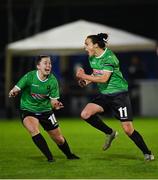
[46,119]
[118,103]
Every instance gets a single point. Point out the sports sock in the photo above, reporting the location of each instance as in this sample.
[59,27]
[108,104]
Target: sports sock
[42,145]
[138,140]
[65,149]
[96,122]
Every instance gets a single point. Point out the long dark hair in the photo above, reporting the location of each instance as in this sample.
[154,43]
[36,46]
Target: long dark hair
[100,39]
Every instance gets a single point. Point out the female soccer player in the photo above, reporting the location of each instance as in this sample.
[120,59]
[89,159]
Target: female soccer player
[40,93]
[113,90]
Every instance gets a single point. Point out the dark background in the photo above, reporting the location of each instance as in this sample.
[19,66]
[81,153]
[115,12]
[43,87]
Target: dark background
[22,18]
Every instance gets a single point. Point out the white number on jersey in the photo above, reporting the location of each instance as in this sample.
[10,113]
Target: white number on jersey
[53,119]
[123,112]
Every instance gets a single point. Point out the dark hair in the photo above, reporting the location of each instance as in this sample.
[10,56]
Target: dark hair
[100,39]
[40,57]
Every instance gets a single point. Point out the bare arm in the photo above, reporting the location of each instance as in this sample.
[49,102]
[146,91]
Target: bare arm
[98,79]
[14,92]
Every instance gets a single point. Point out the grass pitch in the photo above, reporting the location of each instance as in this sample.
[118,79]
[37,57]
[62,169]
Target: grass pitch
[19,158]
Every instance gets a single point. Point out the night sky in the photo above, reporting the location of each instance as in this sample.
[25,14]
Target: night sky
[19,17]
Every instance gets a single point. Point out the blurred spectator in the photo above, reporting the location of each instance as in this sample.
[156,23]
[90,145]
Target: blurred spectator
[65,83]
[136,71]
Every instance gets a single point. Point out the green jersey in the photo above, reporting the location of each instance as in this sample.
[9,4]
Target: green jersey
[108,62]
[36,94]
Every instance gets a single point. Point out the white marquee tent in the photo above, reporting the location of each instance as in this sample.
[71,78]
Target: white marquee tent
[69,39]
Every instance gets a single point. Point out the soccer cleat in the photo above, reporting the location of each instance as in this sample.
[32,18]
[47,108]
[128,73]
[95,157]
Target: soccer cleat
[109,139]
[72,156]
[149,157]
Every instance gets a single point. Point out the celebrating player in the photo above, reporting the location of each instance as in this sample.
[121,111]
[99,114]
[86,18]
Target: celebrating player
[113,90]
[40,94]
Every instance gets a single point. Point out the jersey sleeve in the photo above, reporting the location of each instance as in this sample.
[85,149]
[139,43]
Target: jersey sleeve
[108,65]
[54,94]
[22,83]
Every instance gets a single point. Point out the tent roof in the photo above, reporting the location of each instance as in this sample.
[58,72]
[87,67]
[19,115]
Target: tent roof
[71,37]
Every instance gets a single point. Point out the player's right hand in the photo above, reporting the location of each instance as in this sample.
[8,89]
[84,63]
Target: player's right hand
[13,93]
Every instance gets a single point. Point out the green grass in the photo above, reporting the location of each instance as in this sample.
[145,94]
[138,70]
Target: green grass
[19,158]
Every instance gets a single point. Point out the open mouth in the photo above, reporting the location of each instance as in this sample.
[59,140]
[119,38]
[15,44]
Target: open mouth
[47,70]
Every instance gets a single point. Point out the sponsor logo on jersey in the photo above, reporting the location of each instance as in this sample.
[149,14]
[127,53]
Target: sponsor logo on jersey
[98,72]
[35,85]
[38,96]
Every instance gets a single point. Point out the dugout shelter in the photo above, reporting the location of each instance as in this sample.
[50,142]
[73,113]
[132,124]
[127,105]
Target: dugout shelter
[68,39]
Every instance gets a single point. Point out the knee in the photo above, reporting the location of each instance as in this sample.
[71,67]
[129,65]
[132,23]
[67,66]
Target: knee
[59,139]
[128,130]
[33,130]
[31,125]
[85,115]
[128,127]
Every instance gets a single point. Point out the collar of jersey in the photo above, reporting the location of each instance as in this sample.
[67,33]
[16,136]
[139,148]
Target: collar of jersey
[101,54]
[39,78]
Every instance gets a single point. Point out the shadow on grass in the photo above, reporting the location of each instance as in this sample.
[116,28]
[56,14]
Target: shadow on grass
[36,158]
[111,157]
[41,159]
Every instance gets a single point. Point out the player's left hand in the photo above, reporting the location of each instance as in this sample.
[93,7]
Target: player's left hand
[57,104]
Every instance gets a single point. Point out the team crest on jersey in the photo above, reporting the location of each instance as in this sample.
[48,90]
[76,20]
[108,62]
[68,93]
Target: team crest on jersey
[48,87]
